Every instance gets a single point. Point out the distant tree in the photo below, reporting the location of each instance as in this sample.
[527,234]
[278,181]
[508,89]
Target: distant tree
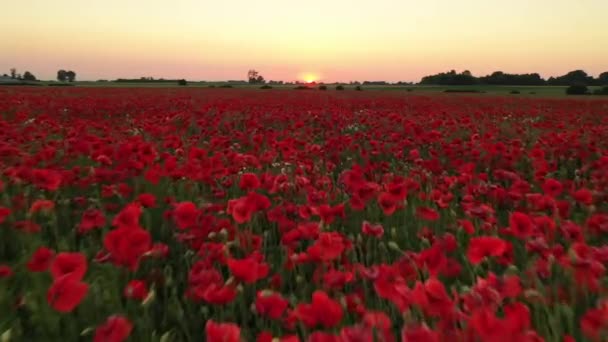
[577,89]
[5,75]
[603,78]
[339,87]
[71,76]
[182,82]
[254,77]
[28,76]
[576,77]
[62,75]
[450,78]
[13,73]
[501,78]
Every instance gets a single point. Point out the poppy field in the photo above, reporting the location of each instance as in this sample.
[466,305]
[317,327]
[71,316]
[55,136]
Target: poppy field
[133,214]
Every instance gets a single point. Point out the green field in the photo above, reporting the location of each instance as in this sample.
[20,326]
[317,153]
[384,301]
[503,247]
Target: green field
[545,91]
[480,89]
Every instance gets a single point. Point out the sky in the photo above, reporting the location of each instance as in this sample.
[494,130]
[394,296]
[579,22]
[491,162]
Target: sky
[324,40]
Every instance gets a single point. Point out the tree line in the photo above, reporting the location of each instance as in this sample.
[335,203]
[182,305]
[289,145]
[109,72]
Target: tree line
[576,77]
[62,75]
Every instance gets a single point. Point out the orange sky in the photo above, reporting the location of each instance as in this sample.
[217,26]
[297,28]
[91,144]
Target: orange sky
[329,40]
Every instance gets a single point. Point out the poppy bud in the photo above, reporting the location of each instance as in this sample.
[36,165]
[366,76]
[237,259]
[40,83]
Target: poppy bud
[149,299]
[394,246]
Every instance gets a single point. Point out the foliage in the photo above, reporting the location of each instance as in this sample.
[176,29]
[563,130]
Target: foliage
[577,89]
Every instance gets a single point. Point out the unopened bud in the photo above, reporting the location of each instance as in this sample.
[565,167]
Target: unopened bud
[394,246]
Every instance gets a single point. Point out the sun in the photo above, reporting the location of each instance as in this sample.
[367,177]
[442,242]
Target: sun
[309,77]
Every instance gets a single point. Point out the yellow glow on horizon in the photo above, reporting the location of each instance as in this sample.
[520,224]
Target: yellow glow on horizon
[338,40]
[309,77]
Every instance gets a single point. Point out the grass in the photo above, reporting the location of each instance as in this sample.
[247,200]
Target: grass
[540,91]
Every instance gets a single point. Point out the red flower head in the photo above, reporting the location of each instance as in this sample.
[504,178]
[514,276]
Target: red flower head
[136,289]
[91,219]
[147,200]
[222,332]
[41,260]
[66,293]
[114,329]
[5,271]
[248,270]
[73,265]
[520,225]
[372,229]
[128,217]
[249,181]
[4,213]
[271,305]
[428,214]
[485,246]
[127,245]
[185,215]
[321,311]
[552,187]
[388,203]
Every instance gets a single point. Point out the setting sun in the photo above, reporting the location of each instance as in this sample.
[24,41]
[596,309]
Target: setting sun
[309,77]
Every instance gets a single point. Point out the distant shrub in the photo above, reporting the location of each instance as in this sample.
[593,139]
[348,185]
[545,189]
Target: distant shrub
[358,88]
[339,87]
[322,87]
[265,86]
[301,87]
[462,91]
[514,92]
[60,84]
[226,86]
[602,91]
[182,82]
[577,89]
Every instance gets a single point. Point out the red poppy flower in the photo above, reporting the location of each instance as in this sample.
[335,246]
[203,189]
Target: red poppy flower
[271,305]
[222,332]
[42,206]
[128,217]
[249,181]
[73,265]
[136,289]
[321,311]
[248,270]
[127,245]
[4,213]
[5,271]
[375,230]
[147,200]
[91,219]
[428,214]
[520,225]
[41,260]
[485,246]
[185,215]
[552,187]
[66,293]
[388,203]
[114,329]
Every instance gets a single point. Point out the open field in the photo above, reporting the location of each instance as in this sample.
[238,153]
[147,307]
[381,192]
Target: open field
[540,91]
[492,90]
[187,214]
